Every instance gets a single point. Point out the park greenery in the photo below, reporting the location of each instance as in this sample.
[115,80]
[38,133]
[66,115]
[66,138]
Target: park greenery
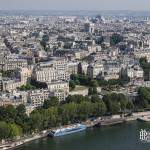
[115,39]
[81,79]
[8,73]
[117,103]
[27,87]
[9,131]
[146,67]
[32,85]
[76,108]
[144,97]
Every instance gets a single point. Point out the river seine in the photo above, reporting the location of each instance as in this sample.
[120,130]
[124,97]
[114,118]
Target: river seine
[119,137]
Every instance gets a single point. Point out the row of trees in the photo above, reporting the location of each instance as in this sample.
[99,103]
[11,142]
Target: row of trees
[78,108]
[9,131]
[143,100]
[14,121]
[32,85]
[80,79]
[67,113]
[27,87]
[117,103]
[11,121]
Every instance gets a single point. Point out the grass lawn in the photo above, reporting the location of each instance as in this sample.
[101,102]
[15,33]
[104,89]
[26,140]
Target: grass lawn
[78,88]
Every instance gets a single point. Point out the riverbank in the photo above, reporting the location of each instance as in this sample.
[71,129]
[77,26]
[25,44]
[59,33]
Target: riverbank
[116,119]
[14,144]
[119,137]
[88,123]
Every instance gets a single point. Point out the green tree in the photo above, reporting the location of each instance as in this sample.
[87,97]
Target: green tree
[84,110]
[2,113]
[146,67]
[94,90]
[47,104]
[51,117]
[52,101]
[116,108]
[93,83]
[10,114]
[95,98]
[130,105]
[9,131]
[4,130]
[21,110]
[143,61]
[99,108]
[144,96]
[37,121]
[90,91]
[76,98]
[102,82]
[108,102]
[115,39]
[115,103]
[123,101]
[69,112]
[21,117]
[72,84]
[15,131]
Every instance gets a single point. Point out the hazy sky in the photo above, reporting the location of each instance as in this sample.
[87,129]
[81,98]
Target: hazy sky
[76,4]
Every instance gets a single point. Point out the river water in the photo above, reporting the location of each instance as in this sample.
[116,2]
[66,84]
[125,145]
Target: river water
[119,137]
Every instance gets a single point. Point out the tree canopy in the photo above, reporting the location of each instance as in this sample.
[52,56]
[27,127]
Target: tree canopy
[115,39]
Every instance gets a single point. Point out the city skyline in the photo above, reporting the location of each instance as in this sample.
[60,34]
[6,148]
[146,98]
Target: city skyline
[138,5]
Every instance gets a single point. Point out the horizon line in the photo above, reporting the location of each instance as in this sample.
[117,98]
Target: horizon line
[74,10]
